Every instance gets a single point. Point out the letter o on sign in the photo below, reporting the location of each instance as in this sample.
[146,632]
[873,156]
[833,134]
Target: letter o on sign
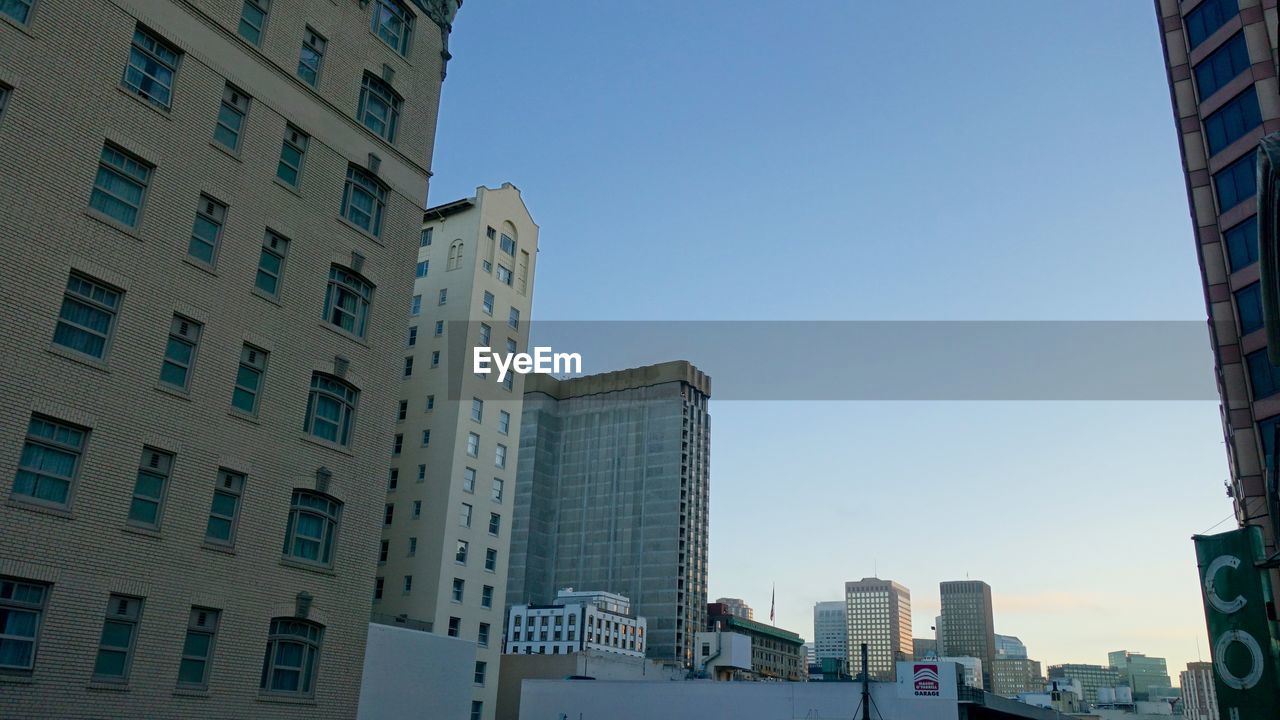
[1211,594]
[1255,658]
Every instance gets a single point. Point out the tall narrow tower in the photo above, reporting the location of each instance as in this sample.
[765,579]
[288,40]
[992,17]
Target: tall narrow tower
[970,627]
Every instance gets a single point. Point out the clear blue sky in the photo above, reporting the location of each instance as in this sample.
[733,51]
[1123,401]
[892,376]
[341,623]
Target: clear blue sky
[877,161]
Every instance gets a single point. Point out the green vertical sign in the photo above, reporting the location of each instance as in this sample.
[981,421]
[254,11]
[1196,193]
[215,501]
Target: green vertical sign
[1243,646]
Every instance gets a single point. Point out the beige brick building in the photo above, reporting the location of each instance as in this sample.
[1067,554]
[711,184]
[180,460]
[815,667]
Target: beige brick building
[209,220]
[447,523]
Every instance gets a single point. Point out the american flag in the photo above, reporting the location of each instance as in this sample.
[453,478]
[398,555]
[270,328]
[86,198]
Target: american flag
[773,599]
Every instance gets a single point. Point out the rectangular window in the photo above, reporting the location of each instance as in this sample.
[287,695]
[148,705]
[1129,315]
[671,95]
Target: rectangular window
[312,57]
[253,364]
[1222,66]
[197,648]
[231,113]
[21,615]
[1207,18]
[225,511]
[388,515]
[500,456]
[1242,244]
[18,10]
[508,245]
[479,674]
[206,232]
[413,546]
[460,554]
[473,445]
[378,584]
[413,336]
[477,409]
[119,634]
[486,596]
[152,64]
[495,524]
[120,186]
[379,108]
[363,199]
[346,303]
[431,403]
[497,489]
[504,422]
[421,270]
[408,584]
[253,18]
[490,559]
[469,479]
[1249,305]
[477,710]
[180,352]
[393,479]
[424,239]
[415,306]
[150,488]
[487,303]
[88,316]
[398,445]
[454,624]
[1236,182]
[393,22]
[271,264]
[426,438]
[422,472]
[486,332]
[439,328]
[444,296]
[402,411]
[482,636]
[458,587]
[4,89]
[408,366]
[464,517]
[435,358]
[513,319]
[504,275]
[1230,122]
[292,151]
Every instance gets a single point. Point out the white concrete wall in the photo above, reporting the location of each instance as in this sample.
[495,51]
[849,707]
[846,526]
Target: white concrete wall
[701,699]
[409,674]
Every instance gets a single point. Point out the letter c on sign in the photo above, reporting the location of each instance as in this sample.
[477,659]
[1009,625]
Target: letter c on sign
[1255,658]
[1210,575]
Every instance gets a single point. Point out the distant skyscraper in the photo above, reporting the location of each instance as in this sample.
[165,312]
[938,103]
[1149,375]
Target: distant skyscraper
[1143,674]
[967,616]
[1010,647]
[830,631]
[738,607]
[612,492]
[1198,694]
[879,614]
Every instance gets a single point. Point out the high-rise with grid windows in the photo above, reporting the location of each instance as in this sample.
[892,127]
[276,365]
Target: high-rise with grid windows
[878,613]
[968,618]
[209,214]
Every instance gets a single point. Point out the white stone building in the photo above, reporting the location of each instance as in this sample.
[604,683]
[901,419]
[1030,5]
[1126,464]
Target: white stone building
[576,621]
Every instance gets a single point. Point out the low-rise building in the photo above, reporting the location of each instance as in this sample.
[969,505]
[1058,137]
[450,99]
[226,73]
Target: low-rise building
[1091,677]
[593,664]
[576,621]
[972,668]
[775,653]
[1012,676]
[1148,676]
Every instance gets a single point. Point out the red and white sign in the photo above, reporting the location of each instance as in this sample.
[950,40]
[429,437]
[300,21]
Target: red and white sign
[924,680]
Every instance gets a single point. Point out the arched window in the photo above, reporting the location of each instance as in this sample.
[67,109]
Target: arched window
[455,255]
[293,654]
[346,303]
[330,409]
[313,523]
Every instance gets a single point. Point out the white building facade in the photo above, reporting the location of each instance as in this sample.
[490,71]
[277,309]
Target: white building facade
[446,525]
[577,621]
[830,631]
